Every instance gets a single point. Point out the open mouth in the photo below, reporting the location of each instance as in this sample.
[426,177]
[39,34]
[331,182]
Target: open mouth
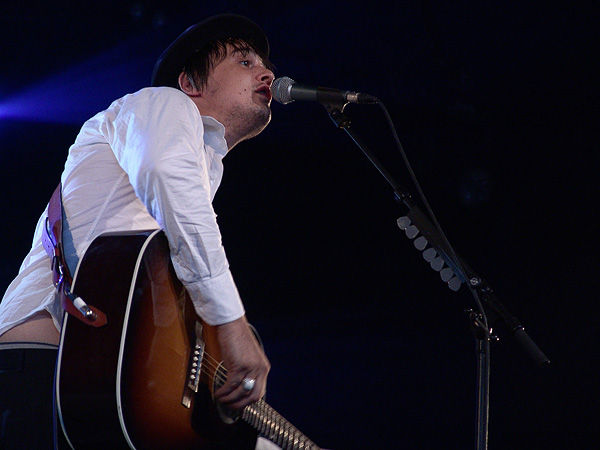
[264,90]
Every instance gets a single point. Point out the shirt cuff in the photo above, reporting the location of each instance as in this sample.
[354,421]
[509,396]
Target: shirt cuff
[216,300]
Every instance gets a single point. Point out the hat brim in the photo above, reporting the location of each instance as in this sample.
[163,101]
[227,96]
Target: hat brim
[171,62]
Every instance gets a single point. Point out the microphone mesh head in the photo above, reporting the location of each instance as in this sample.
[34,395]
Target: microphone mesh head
[281,90]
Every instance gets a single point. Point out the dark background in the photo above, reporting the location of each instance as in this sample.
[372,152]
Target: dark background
[496,104]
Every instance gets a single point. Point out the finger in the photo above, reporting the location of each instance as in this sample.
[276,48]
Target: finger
[235,382]
[235,396]
[230,386]
[236,391]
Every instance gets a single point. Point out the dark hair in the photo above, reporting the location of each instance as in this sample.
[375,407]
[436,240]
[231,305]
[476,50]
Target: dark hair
[198,66]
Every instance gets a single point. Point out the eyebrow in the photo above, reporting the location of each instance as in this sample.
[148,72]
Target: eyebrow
[245,51]
[242,50]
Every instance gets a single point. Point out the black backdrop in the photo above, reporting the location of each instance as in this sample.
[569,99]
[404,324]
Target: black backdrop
[496,106]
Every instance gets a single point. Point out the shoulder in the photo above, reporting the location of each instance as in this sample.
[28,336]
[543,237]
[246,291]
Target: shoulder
[154,109]
[158,114]
[165,97]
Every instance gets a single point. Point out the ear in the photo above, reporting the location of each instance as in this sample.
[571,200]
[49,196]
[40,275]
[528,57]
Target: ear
[186,85]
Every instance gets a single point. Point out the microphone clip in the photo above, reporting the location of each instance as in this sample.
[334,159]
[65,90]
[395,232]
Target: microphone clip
[335,110]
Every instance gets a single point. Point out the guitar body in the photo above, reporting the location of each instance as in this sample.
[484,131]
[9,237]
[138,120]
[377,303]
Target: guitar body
[131,384]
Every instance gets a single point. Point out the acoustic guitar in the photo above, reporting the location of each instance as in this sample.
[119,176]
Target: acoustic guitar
[145,380]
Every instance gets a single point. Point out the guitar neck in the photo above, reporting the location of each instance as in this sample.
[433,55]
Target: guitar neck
[263,418]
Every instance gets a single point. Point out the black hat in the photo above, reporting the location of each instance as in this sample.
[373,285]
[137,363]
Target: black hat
[171,62]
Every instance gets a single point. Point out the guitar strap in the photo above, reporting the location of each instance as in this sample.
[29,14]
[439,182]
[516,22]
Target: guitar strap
[62,279]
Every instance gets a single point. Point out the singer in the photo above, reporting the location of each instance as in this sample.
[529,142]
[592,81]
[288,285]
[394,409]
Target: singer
[152,160]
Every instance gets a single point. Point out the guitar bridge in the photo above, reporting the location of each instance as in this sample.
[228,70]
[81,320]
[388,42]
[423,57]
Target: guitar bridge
[194,367]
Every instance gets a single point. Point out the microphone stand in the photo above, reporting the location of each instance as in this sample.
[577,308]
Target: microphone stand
[457,272]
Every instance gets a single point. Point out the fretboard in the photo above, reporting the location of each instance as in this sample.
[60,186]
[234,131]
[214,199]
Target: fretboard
[263,418]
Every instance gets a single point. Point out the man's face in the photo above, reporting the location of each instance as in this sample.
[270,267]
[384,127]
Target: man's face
[237,94]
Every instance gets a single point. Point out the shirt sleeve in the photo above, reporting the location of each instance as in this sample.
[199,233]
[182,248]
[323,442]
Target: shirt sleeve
[157,138]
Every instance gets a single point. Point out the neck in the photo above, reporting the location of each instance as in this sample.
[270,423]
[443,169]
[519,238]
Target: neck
[237,131]
[231,140]
[240,125]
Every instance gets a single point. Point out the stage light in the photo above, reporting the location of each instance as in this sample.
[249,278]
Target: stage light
[73,96]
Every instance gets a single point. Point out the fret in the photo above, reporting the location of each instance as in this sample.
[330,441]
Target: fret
[263,418]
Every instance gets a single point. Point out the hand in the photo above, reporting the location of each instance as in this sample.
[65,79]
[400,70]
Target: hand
[243,358]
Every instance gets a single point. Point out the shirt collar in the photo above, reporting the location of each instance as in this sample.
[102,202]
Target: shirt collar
[214,135]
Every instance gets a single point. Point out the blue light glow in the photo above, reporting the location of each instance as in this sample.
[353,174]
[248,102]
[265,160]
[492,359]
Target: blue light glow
[73,96]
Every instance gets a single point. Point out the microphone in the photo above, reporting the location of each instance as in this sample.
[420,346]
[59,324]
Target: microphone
[285,90]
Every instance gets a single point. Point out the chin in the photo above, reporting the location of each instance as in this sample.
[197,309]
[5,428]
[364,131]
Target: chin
[259,122]
[248,122]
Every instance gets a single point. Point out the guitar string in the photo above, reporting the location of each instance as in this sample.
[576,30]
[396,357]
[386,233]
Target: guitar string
[220,374]
[216,370]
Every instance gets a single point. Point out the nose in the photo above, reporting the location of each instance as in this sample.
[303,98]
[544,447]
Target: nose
[266,76]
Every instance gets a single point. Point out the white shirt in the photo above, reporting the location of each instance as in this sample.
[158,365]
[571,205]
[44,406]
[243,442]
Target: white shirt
[149,161]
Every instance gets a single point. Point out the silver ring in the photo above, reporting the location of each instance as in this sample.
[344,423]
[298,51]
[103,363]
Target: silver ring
[248,384]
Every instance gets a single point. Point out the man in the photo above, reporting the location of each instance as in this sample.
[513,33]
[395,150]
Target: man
[151,160]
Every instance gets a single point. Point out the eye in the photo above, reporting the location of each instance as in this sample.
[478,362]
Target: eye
[245,62]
